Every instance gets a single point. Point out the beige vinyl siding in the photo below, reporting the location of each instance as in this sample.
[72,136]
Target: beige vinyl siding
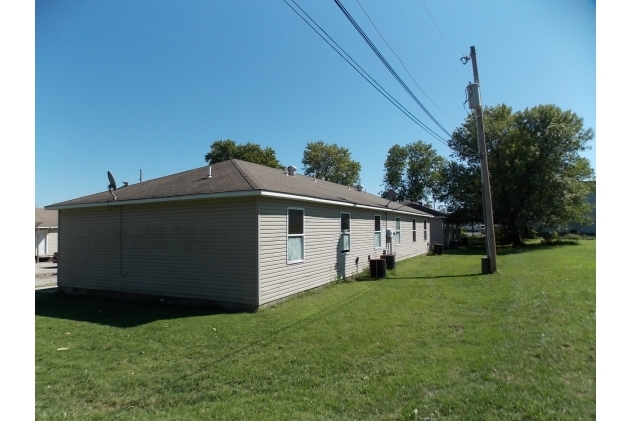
[202,249]
[52,241]
[407,248]
[323,261]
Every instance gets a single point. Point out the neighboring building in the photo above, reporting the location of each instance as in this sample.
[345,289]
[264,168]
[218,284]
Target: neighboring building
[247,236]
[442,229]
[46,233]
[576,228]
[586,229]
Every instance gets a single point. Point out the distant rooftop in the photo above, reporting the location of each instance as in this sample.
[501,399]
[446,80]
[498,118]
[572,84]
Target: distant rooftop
[46,218]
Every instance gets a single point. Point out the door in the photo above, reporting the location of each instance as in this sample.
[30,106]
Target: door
[42,237]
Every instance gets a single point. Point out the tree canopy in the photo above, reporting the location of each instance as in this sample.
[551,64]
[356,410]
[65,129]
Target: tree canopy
[461,192]
[223,150]
[330,162]
[413,171]
[538,179]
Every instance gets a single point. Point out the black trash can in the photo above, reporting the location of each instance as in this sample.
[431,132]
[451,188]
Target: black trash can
[438,248]
[377,268]
[390,261]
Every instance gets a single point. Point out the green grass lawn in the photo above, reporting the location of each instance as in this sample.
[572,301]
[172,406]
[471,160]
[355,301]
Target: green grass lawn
[435,340]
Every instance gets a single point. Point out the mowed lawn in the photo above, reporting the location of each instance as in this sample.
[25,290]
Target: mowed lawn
[436,340]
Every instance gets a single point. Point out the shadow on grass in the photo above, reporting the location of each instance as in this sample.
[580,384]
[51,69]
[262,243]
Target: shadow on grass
[369,279]
[112,311]
[480,249]
[435,277]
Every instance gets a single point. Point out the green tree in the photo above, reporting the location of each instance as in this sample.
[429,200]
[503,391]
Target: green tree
[460,192]
[223,150]
[536,173]
[413,171]
[331,163]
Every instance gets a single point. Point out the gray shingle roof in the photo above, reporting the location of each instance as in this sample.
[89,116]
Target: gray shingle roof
[236,176]
[46,218]
[426,209]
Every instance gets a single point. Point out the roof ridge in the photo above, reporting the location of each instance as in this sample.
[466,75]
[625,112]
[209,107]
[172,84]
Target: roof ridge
[247,177]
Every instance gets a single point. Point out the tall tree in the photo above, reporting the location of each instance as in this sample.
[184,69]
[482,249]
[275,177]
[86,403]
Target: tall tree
[537,176]
[330,162]
[223,150]
[460,191]
[413,171]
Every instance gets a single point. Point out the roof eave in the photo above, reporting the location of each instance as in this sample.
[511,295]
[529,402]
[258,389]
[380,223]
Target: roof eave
[226,195]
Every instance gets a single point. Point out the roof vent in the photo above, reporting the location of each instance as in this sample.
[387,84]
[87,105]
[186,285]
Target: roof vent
[291,170]
[360,187]
[209,171]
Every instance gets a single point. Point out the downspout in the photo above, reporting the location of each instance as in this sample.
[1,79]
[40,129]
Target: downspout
[120,243]
[258,252]
[387,236]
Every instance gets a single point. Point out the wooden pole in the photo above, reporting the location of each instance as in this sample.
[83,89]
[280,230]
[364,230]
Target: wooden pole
[490,266]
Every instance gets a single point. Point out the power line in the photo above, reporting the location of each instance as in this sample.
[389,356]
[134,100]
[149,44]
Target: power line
[342,53]
[385,63]
[439,31]
[361,71]
[436,25]
[401,61]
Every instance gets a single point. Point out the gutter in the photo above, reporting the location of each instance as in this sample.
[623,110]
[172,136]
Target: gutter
[230,195]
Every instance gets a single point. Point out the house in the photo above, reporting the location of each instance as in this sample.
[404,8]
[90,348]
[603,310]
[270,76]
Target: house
[442,230]
[237,235]
[46,233]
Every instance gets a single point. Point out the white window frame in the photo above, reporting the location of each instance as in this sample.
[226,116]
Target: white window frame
[295,235]
[345,232]
[380,232]
[414,230]
[397,231]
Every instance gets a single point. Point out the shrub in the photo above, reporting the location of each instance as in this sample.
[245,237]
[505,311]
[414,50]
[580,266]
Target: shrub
[550,237]
[572,237]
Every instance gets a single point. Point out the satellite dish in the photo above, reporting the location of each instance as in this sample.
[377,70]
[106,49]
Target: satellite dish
[112,185]
[392,195]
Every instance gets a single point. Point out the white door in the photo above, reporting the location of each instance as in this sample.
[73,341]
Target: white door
[41,242]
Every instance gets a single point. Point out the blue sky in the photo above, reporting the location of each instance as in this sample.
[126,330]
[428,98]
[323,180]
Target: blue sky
[130,85]
[92,86]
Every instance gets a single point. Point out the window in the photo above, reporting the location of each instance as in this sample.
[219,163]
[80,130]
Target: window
[295,235]
[397,231]
[425,229]
[413,230]
[378,232]
[345,232]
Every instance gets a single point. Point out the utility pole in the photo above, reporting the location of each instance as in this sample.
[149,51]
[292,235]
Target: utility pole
[489,263]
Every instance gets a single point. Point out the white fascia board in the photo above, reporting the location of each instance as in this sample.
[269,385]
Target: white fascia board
[229,195]
[337,203]
[224,195]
